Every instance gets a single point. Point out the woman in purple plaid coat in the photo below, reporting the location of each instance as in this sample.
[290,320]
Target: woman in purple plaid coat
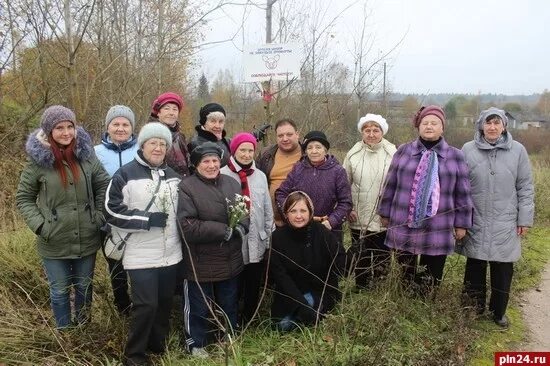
[426,204]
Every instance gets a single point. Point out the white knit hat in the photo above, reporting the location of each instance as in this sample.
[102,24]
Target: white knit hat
[376,118]
[120,111]
[155,130]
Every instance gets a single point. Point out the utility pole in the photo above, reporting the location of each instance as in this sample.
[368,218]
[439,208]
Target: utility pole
[384,92]
[266,85]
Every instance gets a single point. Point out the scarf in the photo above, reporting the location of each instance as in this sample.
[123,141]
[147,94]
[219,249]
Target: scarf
[243,176]
[424,200]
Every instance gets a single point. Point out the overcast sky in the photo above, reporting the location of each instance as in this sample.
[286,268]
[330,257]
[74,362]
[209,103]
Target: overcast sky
[466,46]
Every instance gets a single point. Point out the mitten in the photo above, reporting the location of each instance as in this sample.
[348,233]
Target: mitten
[158,219]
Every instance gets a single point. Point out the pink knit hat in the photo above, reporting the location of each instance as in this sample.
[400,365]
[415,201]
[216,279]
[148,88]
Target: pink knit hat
[239,139]
[429,110]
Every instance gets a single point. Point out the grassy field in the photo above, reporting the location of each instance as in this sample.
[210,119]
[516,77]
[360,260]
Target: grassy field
[383,326]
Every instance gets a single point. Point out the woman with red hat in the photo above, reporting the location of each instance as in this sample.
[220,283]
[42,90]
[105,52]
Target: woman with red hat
[426,204]
[166,109]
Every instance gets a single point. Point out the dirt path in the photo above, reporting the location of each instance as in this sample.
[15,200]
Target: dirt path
[536,312]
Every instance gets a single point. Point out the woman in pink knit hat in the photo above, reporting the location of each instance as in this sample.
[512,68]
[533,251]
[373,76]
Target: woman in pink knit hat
[241,166]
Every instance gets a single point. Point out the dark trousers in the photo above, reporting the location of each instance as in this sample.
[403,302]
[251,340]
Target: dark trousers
[369,256]
[475,279]
[119,283]
[152,294]
[434,268]
[251,280]
[220,295]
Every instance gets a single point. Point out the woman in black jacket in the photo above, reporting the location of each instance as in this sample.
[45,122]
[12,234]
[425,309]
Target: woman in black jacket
[305,263]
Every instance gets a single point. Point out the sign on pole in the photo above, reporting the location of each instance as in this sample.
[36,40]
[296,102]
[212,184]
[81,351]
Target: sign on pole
[271,62]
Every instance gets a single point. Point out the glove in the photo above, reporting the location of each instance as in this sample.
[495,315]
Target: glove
[158,219]
[39,230]
[240,231]
[228,234]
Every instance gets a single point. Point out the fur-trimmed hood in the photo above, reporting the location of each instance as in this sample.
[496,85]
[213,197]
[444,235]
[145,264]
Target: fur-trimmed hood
[39,150]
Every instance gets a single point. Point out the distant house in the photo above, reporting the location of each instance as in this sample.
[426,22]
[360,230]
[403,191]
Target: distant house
[525,122]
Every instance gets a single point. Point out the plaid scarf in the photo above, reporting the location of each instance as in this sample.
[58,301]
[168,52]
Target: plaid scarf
[424,200]
[243,176]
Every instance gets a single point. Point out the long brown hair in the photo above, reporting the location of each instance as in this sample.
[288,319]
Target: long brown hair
[67,154]
[293,198]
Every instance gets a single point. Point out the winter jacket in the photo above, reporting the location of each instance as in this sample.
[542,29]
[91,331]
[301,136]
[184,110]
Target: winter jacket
[202,136]
[327,185]
[66,220]
[261,213]
[202,213]
[128,194]
[436,237]
[177,156]
[367,167]
[301,261]
[502,192]
[113,156]
[266,159]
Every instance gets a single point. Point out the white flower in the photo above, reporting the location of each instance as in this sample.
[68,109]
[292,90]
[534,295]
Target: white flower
[237,210]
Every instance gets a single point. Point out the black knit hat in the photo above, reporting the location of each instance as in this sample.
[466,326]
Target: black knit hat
[206,148]
[316,136]
[207,109]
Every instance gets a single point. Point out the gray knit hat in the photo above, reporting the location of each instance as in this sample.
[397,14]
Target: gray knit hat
[55,114]
[155,130]
[120,111]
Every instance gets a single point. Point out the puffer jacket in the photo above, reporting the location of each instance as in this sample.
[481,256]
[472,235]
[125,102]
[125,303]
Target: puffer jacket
[367,167]
[68,219]
[201,136]
[128,194]
[113,156]
[261,213]
[203,216]
[327,185]
[503,194]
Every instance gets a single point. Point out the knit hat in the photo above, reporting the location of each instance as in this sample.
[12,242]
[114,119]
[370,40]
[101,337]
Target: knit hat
[207,109]
[204,149]
[429,110]
[155,130]
[376,118]
[120,111]
[239,138]
[484,116]
[55,114]
[316,136]
[165,98]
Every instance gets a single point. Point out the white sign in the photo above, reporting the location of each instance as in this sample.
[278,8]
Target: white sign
[271,62]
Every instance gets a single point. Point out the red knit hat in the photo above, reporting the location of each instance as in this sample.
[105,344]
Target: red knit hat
[165,98]
[240,138]
[429,110]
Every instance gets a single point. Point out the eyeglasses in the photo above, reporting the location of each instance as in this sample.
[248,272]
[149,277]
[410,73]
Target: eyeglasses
[155,144]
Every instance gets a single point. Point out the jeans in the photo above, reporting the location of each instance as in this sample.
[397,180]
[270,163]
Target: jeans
[64,274]
[221,295]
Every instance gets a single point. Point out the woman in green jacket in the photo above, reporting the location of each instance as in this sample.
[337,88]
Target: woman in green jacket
[60,196]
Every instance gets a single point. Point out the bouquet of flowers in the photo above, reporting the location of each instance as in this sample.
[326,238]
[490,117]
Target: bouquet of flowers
[237,210]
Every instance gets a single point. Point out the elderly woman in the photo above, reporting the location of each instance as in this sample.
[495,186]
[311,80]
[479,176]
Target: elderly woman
[367,164]
[60,195]
[305,263]
[502,192]
[166,109]
[242,168]
[213,248]
[118,147]
[322,178]
[211,128]
[426,203]
[141,208]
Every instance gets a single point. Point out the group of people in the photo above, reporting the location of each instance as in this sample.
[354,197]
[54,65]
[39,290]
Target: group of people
[173,203]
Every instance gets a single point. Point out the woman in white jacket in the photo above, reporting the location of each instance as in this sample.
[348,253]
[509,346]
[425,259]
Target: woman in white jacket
[241,166]
[366,164]
[140,206]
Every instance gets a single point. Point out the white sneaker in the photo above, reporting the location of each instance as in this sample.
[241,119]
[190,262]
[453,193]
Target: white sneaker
[199,352]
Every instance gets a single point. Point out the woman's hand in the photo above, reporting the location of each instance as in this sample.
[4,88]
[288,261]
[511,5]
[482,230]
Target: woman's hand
[327,224]
[459,233]
[384,221]
[352,216]
[522,230]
